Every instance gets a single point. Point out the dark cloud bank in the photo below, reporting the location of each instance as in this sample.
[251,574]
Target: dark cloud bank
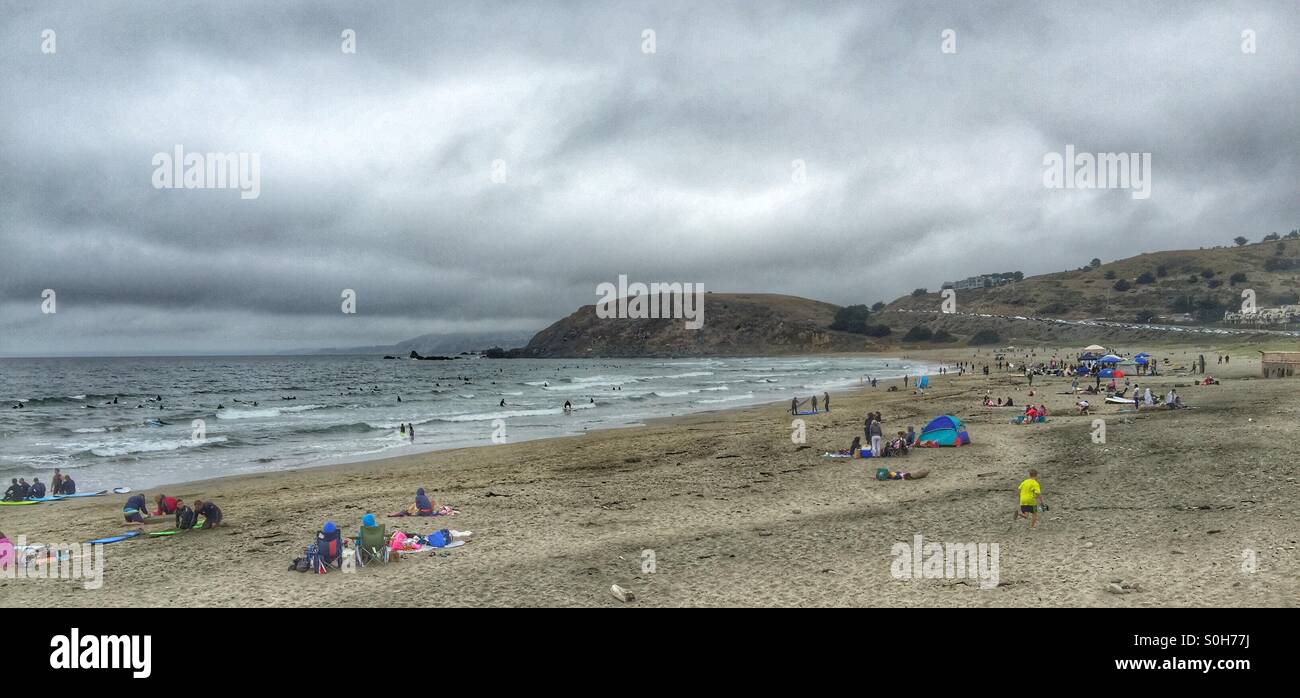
[377,167]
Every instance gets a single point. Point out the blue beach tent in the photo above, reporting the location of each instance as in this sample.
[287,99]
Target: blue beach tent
[944,430]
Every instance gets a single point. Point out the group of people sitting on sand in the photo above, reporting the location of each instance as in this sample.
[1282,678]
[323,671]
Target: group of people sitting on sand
[186,517]
[1033,414]
[988,402]
[19,489]
[373,543]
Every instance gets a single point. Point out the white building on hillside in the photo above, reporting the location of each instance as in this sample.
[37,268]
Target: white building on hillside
[1283,315]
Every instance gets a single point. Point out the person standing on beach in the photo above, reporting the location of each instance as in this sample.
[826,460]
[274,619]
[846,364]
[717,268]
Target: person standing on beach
[866,426]
[814,402]
[826,401]
[1031,497]
[877,433]
[794,405]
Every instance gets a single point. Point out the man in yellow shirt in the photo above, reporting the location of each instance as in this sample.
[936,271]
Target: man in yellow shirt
[1031,496]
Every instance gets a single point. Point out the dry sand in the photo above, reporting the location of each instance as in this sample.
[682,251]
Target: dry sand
[738,515]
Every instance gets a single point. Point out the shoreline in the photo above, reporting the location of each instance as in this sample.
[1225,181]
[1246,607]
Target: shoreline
[406,450]
[735,514]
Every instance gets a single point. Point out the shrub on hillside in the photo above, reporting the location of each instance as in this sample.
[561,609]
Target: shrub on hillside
[851,318]
[920,333]
[984,337]
[878,331]
[1110,273]
[1237,278]
[919,292]
[943,336]
[1122,285]
[1146,278]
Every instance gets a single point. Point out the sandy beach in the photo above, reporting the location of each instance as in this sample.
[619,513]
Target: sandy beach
[738,515]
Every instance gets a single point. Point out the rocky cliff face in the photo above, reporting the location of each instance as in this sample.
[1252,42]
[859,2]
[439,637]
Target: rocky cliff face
[734,325]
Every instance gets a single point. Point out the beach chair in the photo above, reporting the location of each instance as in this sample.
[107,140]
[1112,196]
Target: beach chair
[372,545]
[329,551]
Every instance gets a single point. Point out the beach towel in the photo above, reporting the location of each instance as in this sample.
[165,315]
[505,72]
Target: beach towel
[443,510]
[401,543]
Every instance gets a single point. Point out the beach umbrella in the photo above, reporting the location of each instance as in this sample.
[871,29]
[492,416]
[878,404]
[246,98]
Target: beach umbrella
[1110,359]
[1094,349]
[1141,360]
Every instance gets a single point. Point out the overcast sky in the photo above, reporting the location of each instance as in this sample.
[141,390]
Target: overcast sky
[376,167]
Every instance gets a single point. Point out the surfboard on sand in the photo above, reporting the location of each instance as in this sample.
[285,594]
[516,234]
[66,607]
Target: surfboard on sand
[114,539]
[81,494]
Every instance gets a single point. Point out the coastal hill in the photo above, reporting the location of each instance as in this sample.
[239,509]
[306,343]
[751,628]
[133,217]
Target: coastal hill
[735,324]
[1178,287]
[1150,287]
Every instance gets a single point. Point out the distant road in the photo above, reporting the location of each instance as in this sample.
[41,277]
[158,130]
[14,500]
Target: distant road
[1123,325]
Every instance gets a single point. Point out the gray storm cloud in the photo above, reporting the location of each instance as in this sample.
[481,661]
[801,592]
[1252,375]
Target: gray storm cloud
[377,167]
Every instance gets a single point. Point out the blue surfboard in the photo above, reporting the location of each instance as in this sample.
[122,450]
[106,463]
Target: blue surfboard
[114,539]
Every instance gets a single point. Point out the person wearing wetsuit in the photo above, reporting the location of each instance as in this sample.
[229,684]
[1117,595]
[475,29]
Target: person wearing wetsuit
[209,511]
[69,486]
[38,489]
[135,510]
[166,505]
[11,494]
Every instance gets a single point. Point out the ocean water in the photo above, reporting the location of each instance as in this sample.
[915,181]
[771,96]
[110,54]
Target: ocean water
[265,414]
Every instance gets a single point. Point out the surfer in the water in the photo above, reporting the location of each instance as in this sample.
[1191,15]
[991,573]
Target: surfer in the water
[503,403]
[568,407]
